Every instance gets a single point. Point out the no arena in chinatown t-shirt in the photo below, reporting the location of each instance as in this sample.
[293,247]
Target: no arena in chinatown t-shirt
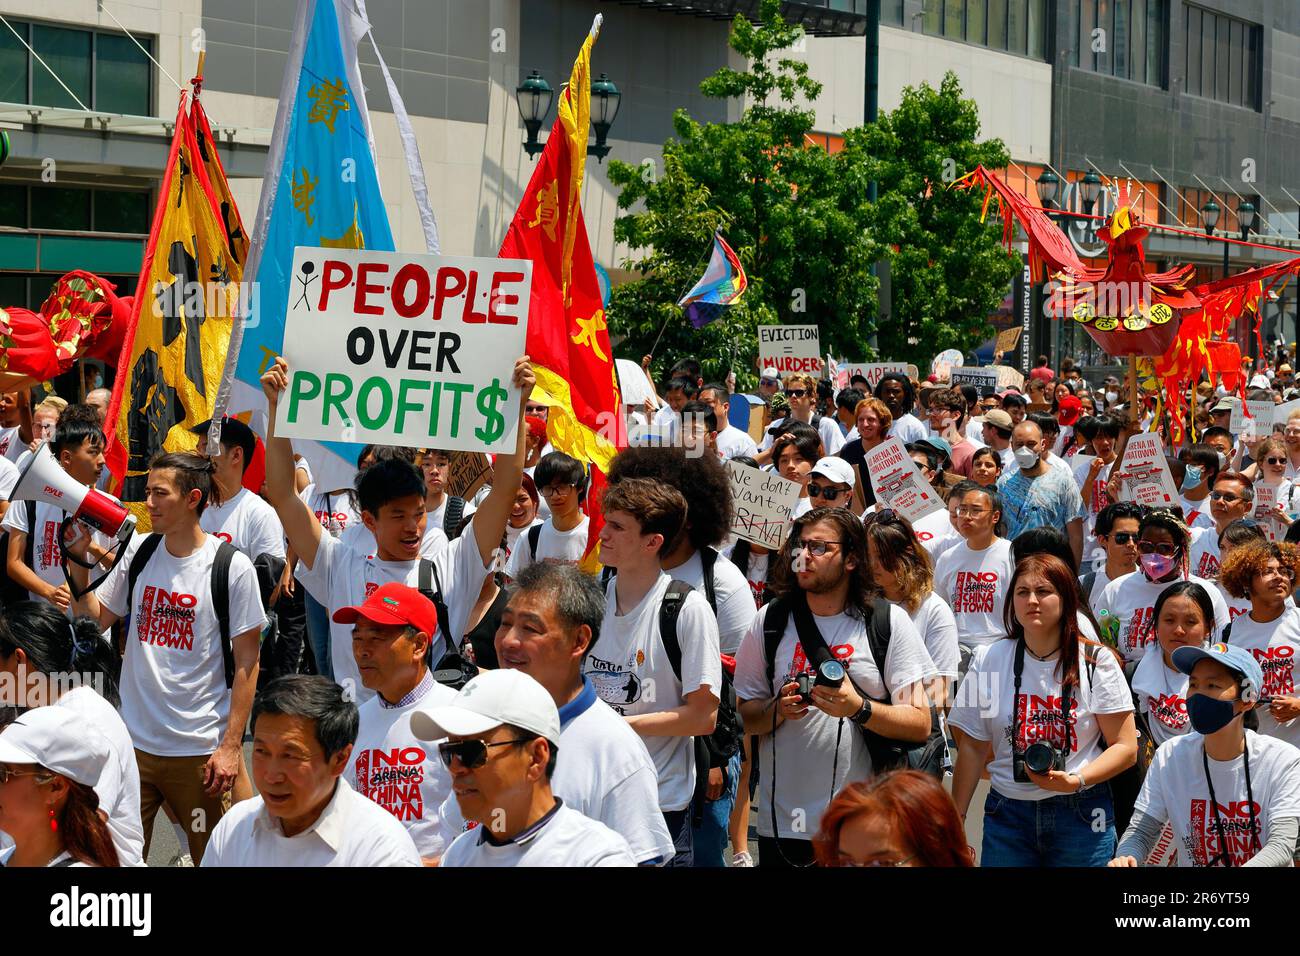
[807,750]
[175,700]
[1132,600]
[975,585]
[1275,646]
[1161,693]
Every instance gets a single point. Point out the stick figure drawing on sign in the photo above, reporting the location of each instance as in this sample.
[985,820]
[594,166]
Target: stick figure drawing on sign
[306,279]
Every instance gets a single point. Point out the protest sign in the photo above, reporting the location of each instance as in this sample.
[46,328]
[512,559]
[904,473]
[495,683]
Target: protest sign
[1007,340]
[898,483]
[1145,474]
[391,348]
[762,505]
[984,379]
[790,348]
[1284,411]
[942,365]
[1256,416]
[873,372]
[467,473]
[1265,502]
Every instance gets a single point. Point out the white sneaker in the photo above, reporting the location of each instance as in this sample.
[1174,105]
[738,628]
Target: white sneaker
[742,859]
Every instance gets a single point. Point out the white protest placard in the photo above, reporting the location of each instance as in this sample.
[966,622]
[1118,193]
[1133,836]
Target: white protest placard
[762,504]
[984,379]
[873,372]
[790,348]
[1283,412]
[391,348]
[1145,474]
[898,482]
[1261,415]
[1265,501]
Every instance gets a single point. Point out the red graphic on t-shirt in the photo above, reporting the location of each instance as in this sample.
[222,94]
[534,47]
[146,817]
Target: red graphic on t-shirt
[333,521]
[1208,566]
[370,588]
[1235,611]
[392,779]
[223,536]
[1237,836]
[1099,497]
[757,587]
[166,618]
[1169,709]
[924,536]
[48,552]
[1039,719]
[1139,632]
[799,663]
[1278,665]
[974,592]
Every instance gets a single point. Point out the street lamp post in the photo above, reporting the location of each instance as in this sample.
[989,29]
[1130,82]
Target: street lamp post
[534,97]
[605,97]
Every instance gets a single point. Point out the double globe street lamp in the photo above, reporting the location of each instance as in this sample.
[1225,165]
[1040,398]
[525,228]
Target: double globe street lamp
[534,96]
[1247,216]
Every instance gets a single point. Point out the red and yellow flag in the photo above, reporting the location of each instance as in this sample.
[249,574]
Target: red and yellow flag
[175,345]
[567,337]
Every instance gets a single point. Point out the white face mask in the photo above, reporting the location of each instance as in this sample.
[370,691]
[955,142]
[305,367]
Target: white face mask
[1026,457]
[1112,398]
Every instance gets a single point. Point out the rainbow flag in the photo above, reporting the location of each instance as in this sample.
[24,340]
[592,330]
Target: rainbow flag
[722,284]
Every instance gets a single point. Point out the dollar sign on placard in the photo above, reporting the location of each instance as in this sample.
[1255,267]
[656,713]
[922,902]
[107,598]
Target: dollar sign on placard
[494,425]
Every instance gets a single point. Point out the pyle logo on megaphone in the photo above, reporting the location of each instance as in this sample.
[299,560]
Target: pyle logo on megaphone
[43,479]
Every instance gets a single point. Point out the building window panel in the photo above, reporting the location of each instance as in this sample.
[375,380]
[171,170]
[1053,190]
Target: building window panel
[1038,29]
[1121,37]
[13,207]
[975,21]
[952,20]
[998,24]
[1138,49]
[122,76]
[59,208]
[13,66]
[68,54]
[1156,30]
[1222,59]
[120,210]
[891,12]
[932,20]
[1104,57]
[1017,41]
[1207,54]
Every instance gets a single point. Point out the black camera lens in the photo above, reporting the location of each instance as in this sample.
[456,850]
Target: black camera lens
[830,674]
[1040,758]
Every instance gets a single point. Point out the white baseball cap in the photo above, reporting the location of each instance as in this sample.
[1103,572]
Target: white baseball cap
[489,700]
[836,469]
[771,372]
[58,739]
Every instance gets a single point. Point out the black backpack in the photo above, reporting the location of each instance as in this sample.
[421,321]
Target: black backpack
[886,753]
[453,669]
[220,591]
[451,517]
[534,536]
[717,749]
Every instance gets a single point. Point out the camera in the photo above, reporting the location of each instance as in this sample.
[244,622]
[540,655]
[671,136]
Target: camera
[1039,757]
[830,673]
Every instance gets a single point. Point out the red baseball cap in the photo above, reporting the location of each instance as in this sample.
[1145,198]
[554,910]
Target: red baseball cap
[1068,409]
[393,604]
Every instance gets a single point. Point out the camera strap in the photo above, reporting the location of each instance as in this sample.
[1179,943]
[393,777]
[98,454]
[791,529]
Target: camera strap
[1017,669]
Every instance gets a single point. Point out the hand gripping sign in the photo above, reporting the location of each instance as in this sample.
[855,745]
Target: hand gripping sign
[404,349]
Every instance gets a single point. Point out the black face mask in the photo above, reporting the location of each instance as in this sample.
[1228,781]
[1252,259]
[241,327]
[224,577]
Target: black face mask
[1209,714]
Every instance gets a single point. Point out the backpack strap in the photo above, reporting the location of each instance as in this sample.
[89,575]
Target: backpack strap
[221,605]
[669,610]
[775,619]
[534,536]
[429,585]
[138,560]
[709,558]
[1227,634]
[452,515]
[740,555]
[29,554]
[878,633]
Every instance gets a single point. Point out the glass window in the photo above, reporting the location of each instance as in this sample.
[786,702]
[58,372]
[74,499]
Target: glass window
[1138,48]
[1016,26]
[68,54]
[1038,29]
[1207,54]
[122,76]
[1120,52]
[891,12]
[1222,60]
[952,19]
[1156,21]
[121,211]
[975,10]
[1106,39]
[13,207]
[13,289]
[1193,51]
[13,65]
[998,24]
[932,21]
[1087,26]
[1252,69]
[55,207]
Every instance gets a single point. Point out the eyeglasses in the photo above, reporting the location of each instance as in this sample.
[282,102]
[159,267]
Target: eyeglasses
[6,775]
[796,392]
[1224,496]
[1164,550]
[817,548]
[970,511]
[1275,461]
[550,491]
[826,492]
[473,753]
[1123,537]
[769,381]
[877,863]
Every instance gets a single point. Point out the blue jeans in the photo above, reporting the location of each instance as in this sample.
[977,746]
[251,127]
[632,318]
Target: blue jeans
[679,828]
[710,837]
[318,632]
[1069,829]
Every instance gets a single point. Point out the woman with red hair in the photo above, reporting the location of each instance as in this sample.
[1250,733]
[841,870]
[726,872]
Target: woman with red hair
[904,818]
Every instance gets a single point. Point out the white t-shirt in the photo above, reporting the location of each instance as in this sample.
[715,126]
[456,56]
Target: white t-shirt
[436,519]
[907,428]
[1098,585]
[985,708]
[938,629]
[975,584]
[247,522]
[1197,513]
[343,577]
[631,672]
[1161,693]
[555,547]
[1203,556]
[801,755]
[733,443]
[731,592]
[831,436]
[1176,790]
[11,445]
[562,838]
[1275,646]
[513,535]
[936,533]
[118,786]
[351,831]
[1132,599]
[1080,471]
[358,538]
[47,550]
[402,774]
[175,700]
[604,772]
[8,478]
[333,510]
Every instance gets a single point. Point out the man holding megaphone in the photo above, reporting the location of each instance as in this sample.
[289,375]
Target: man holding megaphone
[35,554]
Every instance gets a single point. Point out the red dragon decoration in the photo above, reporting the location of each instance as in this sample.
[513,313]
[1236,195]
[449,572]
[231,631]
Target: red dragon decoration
[83,317]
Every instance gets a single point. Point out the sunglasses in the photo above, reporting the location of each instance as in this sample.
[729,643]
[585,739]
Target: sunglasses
[1275,461]
[1224,496]
[1164,550]
[796,392]
[473,753]
[1124,537]
[817,548]
[826,492]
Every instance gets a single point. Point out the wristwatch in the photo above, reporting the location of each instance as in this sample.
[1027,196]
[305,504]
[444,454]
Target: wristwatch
[863,714]
[1082,783]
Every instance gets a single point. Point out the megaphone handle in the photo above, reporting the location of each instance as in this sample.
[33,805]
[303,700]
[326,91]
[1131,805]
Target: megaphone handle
[117,551]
